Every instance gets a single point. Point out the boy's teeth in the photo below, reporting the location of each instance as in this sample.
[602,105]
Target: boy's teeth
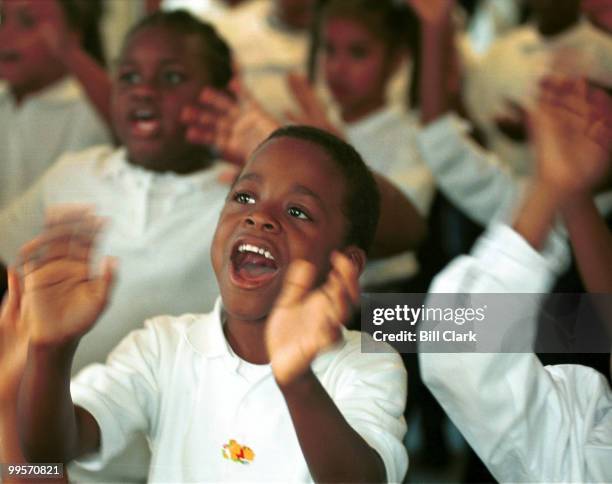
[255,250]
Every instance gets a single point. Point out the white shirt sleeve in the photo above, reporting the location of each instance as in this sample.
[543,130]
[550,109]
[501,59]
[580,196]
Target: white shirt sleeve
[526,422]
[469,176]
[123,395]
[372,398]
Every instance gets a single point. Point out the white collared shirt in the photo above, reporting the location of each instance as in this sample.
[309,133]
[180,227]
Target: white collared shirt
[33,135]
[386,140]
[511,72]
[527,422]
[160,229]
[179,381]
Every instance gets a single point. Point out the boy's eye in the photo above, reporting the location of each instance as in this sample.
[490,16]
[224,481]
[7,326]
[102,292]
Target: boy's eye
[173,78]
[244,198]
[129,77]
[298,213]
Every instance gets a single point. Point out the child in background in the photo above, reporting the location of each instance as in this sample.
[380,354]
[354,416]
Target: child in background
[528,422]
[159,192]
[43,112]
[250,391]
[364,43]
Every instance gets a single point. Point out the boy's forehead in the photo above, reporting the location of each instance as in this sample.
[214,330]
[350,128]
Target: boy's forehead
[163,43]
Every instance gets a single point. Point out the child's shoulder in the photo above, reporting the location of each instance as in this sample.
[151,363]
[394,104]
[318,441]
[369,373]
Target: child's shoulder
[92,159]
[358,352]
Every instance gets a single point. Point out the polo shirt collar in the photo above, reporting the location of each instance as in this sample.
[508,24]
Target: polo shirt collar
[206,337]
[117,165]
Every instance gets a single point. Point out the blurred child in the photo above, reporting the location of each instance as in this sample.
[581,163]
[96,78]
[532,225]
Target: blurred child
[159,192]
[43,112]
[510,72]
[529,422]
[250,391]
[364,43]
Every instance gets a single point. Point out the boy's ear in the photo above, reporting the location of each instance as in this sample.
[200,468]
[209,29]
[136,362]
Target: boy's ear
[357,256]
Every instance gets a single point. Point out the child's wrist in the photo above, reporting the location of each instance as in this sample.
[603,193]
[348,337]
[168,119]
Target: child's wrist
[295,383]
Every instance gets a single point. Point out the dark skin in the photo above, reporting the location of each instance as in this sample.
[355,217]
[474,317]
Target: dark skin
[160,73]
[285,318]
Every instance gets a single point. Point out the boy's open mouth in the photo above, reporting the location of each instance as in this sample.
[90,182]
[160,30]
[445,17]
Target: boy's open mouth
[145,122]
[252,265]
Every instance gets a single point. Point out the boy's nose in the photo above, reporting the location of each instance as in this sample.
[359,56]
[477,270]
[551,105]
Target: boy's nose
[144,90]
[262,221]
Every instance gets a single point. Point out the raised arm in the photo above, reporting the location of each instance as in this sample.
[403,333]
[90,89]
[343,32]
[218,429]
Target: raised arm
[94,78]
[319,314]
[61,302]
[575,155]
[539,421]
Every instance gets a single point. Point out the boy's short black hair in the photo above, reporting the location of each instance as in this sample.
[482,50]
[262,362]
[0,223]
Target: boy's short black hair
[362,200]
[216,54]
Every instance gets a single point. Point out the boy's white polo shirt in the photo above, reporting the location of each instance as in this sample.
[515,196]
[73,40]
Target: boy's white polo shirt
[179,381]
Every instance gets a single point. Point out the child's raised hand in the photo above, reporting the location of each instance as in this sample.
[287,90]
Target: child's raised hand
[61,297]
[13,341]
[571,128]
[233,122]
[306,319]
[312,110]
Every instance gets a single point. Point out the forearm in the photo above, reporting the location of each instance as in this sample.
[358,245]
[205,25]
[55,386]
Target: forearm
[10,451]
[592,243]
[94,79]
[345,456]
[437,55]
[400,227]
[537,214]
[51,428]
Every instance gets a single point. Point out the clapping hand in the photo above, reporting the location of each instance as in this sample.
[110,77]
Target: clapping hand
[571,127]
[62,298]
[307,319]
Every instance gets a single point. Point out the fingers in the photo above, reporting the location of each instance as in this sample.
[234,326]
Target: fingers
[299,280]
[106,279]
[62,240]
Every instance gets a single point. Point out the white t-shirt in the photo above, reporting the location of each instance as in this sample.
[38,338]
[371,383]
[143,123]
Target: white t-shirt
[37,132]
[179,381]
[160,229]
[527,422]
[513,68]
[387,142]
